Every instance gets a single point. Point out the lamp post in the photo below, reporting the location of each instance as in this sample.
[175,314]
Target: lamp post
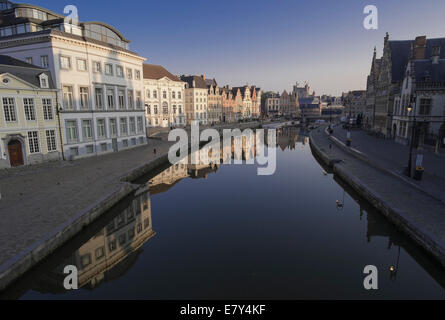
[413,135]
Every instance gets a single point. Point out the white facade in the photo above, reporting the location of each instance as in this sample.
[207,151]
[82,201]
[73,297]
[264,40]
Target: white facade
[165,102]
[100,100]
[196,105]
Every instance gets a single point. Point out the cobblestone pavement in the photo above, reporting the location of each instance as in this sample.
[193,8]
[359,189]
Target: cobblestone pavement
[424,214]
[36,199]
[394,156]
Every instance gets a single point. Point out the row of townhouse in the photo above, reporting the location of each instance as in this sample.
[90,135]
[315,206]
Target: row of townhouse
[405,96]
[88,77]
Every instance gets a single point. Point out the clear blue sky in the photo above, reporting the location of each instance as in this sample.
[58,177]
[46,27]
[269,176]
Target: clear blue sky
[270,43]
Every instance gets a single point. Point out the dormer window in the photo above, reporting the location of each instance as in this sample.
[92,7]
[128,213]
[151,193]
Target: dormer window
[44,81]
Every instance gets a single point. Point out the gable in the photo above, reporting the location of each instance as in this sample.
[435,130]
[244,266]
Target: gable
[9,81]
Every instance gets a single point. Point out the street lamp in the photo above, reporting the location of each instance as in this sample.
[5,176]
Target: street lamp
[413,134]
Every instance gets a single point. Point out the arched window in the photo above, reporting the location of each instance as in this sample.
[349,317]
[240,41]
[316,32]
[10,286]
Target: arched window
[164,94]
[165,108]
[155,109]
[174,109]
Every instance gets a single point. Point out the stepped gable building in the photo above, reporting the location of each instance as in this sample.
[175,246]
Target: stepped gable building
[164,97]
[99,79]
[29,126]
[214,101]
[371,87]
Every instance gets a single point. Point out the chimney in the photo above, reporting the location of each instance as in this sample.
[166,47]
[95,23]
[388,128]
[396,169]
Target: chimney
[435,54]
[203,76]
[420,47]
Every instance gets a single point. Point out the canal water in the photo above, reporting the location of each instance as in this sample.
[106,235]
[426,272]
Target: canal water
[223,232]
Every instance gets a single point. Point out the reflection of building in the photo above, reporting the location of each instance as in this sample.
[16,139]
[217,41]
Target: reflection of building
[111,251]
[288,137]
[168,178]
[164,97]
[29,129]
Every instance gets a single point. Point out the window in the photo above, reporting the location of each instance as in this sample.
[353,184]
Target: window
[97,67]
[84,98]
[125,143]
[100,253]
[180,109]
[9,109]
[165,108]
[103,147]
[110,98]
[425,106]
[138,100]
[81,65]
[33,140]
[99,98]
[71,131]
[148,94]
[65,63]
[155,109]
[47,109]
[132,125]
[101,131]
[130,99]
[109,69]
[121,99]
[164,94]
[179,95]
[85,260]
[74,151]
[129,74]
[133,141]
[43,81]
[123,126]
[148,108]
[112,245]
[140,124]
[89,149]
[113,128]
[51,140]
[173,95]
[141,140]
[87,130]
[44,62]
[155,94]
[30,113]
[122,239]
[28,60]
[174,109]
[137,74]
[68,101]
[120,71]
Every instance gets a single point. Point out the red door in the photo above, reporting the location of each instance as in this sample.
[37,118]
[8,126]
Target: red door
[15,153]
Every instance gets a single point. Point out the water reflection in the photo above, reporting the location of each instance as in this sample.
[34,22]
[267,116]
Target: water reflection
[111,249]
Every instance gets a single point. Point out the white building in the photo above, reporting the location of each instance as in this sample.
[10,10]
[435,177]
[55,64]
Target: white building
[164,98]
[422,99]
[99,79]
[196,99]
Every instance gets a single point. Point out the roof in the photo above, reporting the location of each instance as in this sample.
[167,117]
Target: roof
[194,82]
[400,52]
[156,72]
[25,71]
[211,82]
[425,68]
